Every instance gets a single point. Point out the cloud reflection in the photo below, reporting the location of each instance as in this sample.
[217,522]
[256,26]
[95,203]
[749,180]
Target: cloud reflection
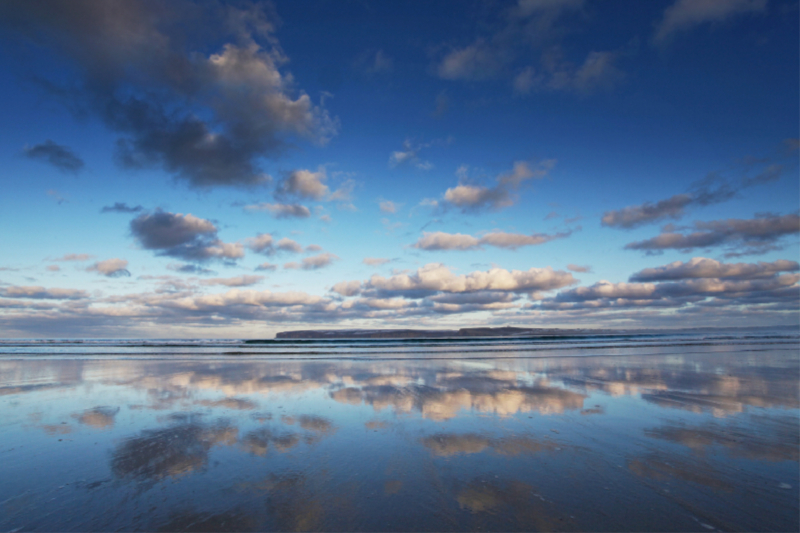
[169,452]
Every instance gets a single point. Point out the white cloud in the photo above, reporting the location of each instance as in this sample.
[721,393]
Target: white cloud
[288,245]
[238,281]
[39,293]
[304,184]
[579,268]
[686,14]
[281,210]
[436,277]
[375,261]
[267,266]
[261,243]
[388,206]
[440,240]
[111,268]
[473,198]
[703,267]
[75,257]
[347,288]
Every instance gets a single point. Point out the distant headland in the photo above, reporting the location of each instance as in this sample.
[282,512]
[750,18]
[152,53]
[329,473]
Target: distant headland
[506,331]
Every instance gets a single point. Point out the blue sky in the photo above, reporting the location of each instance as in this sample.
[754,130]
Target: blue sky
[234,169]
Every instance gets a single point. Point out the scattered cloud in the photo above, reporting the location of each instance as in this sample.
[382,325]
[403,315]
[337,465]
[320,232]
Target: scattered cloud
[318,261]
[112,268]
[436,277]
[57,155]
[304,184]
[267,266]
[473,198]
[684,15]
[713,189]
[53,268]
[530,29]
[75,257]
[375,261]
[579,268]
[189,268]
[703,267]
[409,155]
[237,281]
[347,288]
[741,236]
[308,185]
[390,207]
[121,207]
[261,244]
[281,210]
[249,108]
[695,284]
[440,240]
[288,245]
[182,236]
[41,293]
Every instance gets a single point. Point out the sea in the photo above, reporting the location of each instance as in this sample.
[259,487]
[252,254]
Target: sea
[659,431]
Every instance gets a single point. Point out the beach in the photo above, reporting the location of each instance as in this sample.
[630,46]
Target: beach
[593,433]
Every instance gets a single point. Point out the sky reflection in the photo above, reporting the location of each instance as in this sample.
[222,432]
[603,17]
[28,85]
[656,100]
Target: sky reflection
[629,442]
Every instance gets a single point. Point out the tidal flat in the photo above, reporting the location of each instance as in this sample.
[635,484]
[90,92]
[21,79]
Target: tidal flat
[653,433]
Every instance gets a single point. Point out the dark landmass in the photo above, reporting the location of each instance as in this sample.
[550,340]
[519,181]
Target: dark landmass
[434,333]
[509,331]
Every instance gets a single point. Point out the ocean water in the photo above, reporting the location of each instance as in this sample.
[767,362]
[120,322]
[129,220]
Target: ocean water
[661,432]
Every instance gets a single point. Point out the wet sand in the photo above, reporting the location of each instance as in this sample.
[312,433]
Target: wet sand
[686,438]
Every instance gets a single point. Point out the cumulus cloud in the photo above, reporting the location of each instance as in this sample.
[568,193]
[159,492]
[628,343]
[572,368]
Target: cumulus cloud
[436,277]
[347,288]
[473,198]
[53,268]
[304,184]
[121,207]
[375,261]
[261,244]
[146,77]
[112,268]
[237,281]
[288,245]
[281,210]
[742,236]
[41,293]
[703,267]
[684,15]
[182,236]
[688,292]
[57,155]
[318,261]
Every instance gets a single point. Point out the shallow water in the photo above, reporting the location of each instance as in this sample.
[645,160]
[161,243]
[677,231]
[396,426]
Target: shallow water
[658,433]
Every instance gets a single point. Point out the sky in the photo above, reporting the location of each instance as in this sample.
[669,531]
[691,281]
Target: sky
[234,169]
